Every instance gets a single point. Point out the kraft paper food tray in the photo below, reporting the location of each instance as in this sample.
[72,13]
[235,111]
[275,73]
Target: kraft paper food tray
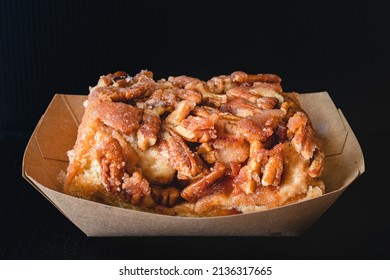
[45,157]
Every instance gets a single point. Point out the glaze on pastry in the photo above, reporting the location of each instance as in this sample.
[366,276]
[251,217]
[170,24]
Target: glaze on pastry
[183,146]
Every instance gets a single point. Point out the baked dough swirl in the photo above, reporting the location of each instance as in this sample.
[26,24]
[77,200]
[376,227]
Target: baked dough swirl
[182,146]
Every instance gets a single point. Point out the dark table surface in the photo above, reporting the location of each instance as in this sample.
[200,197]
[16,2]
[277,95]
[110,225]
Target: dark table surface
[357,225]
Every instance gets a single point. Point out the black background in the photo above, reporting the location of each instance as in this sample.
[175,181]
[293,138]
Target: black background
[49,47]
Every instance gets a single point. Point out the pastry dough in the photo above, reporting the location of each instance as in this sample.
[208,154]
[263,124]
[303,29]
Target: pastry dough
[183,146]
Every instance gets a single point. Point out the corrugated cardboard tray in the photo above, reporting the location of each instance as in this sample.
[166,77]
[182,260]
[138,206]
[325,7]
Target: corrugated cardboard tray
[45,157]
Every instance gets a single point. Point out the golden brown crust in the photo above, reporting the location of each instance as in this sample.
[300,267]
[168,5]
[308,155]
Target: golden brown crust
[234,144]
[120,116]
